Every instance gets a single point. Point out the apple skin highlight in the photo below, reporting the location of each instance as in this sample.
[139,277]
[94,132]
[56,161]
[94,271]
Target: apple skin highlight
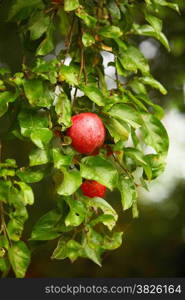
[87,132]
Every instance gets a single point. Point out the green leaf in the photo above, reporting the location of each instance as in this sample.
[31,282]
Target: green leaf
[31,121]
[71,182]
[18,217]
[16,197]
[9,163]
[139,158]
[46,69]
[69,74]
[114,10]
[38,93]
[87,39]
[70,249]
[49,226]
[174,6]
[21,9]
[105,219]
[70,5]
[91,253]
[63,110]
[64,21]
[4,264]
[99,169]
[126,113]
[136,155]
[118,129]
[113,242]
[94,239]
[77,212]
[5,98]
[5,187]
[27,192]
[19,256]
[110,31]
[7,172]
[154,133]
[155,22]
[29,175]
[47,45]
[38,25]
[94,94]
[158,110]
[157,164]
[41,137]
[128,191]
[107,210]
[137,101]
[88,20]
[148,30]
[60,160]
[132,60]
[39,157]
[149,80]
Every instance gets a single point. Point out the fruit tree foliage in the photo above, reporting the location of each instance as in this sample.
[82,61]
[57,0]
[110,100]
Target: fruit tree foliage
[41,99]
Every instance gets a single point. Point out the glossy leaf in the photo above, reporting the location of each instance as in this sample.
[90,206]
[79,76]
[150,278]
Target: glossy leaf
[39,157]
[22,9]
[30,175]
[77,212]
[19,256]
[87,39]
[60,160]
[38,93]
[107,210]
[41,137]
[111,32]
[128,192]
[99,169]
[27,192]
[95,95]
[69,74]
[113,242]
[63,110]
[153,83]
[126,113]
[133,60]
[5,98]
[148,30]
[38,25]
[87,19]
[49,226]
[71,5]
[70,183]
[155,134]
[118,129]
[70,249]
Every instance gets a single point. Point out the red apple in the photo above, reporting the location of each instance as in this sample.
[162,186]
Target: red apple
[91,189]
[87,132]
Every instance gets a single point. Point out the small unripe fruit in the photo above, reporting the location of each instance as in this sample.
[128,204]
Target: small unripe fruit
[92,188]
[87,132]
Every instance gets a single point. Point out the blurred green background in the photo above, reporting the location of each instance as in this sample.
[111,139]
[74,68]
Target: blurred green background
[153,244]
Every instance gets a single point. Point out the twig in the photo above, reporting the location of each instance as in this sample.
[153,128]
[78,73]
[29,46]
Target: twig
[69,39]
[124,169]
[81,63]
